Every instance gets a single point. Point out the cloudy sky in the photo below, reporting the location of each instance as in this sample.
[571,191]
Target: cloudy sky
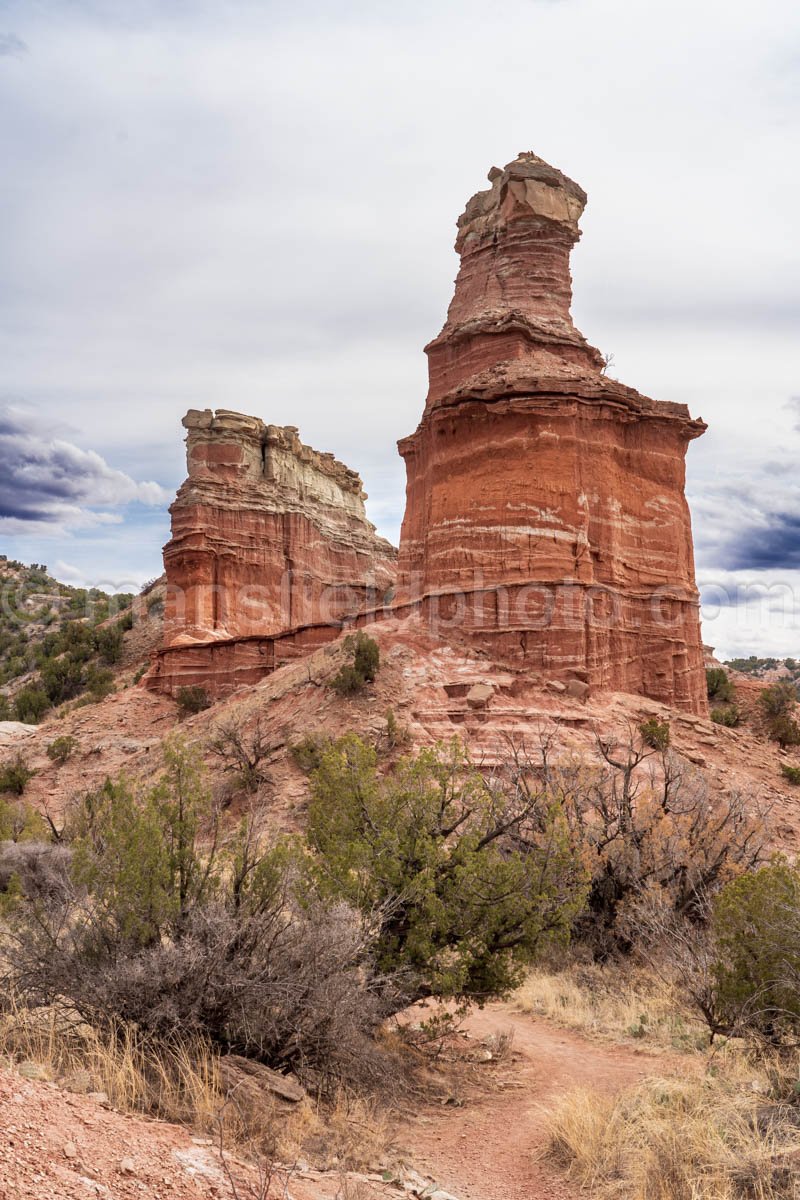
[251,205]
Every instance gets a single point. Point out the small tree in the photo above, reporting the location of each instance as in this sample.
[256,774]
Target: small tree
[777,704]
[366,656]
[244,752]
[756,928]
[650,825]
[729,715]
[121,860]
[61,749]
[719,685]
[471,877]
[192,699]
[655,733]
[15,775]
[109,643]
[139,855]
[30,704]
[354,676]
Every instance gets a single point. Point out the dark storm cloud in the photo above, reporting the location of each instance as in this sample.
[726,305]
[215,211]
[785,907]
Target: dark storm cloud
[47,481]
[749,521]
[774,547]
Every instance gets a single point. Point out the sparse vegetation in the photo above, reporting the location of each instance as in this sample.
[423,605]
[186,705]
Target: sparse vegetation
[180,937]
[719,686]
[308,751]
[15,775]
[56,642]
[354,676]
[192,700]
[655,733]
[244,752]
[777,704]
[791,773]
[618,1001]
[729,715]
[397,735]
[61,749]
[730,1135]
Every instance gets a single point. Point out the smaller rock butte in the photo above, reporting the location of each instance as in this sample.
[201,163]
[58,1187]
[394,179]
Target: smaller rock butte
[270,551]
[545,509]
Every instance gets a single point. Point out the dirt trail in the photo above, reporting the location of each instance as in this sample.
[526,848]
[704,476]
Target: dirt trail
[54,1144]
[488,1150]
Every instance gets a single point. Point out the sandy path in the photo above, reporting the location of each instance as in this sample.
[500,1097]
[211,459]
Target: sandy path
[487,1150]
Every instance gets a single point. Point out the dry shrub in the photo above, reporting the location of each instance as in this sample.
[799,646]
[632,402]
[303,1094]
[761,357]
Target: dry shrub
[713,1138]
[291,987]
[39,869]
[244,752]
[614,1001]
[163,923]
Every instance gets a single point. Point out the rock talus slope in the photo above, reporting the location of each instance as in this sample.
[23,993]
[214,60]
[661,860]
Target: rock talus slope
[545,509]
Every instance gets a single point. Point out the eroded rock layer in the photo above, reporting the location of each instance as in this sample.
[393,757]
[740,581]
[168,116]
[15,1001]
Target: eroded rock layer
[270,545]
[545,510]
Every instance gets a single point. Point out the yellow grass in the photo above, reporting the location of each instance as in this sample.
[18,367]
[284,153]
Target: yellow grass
[353,1133]
[178,1082]
[724,1136]
[181,1083]
[614,1003]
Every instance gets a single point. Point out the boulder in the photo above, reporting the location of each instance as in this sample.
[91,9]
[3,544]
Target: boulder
[576,689]
[247,1077]
[479,695]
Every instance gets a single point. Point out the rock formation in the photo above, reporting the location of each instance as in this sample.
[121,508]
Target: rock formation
[545,511]
[270,547]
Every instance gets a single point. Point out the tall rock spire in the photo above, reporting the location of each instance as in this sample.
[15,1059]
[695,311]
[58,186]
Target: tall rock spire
[545,513]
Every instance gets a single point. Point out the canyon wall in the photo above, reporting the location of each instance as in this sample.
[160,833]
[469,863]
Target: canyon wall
[545,509]
[270,551]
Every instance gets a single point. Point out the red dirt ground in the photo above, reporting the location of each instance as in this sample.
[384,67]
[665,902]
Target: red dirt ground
[58,1146]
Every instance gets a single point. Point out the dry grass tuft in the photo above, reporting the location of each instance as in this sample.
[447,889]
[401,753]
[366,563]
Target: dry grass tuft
[720,1137]
[351,1134]
[177,1082]
[182,1082]
[608,1002]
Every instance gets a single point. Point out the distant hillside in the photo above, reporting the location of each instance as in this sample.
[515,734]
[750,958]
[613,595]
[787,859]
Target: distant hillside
[60,643]
[769,669]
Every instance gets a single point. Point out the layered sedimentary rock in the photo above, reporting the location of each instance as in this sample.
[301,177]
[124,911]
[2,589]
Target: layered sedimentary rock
[545,511]
[270,551]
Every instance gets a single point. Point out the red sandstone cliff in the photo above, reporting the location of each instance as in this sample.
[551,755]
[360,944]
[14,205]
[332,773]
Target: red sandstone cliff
[270,541]
[545,508]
